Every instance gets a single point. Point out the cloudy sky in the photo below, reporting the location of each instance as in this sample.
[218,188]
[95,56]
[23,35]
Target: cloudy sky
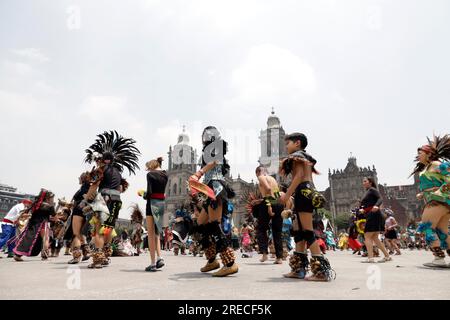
[367,77]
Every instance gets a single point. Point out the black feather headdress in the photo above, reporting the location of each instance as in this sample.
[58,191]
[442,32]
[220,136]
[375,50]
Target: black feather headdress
[122,151]
[438,150]
[136,215]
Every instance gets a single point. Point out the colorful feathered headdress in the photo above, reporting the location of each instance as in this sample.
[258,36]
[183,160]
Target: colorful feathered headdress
[438,149]
[111,146]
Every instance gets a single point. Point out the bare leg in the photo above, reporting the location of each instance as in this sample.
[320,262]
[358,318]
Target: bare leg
[151,239]
[77,224]
[158,245]
[380,244]
[434,215]
[443,226]
[300,246]
[368,241]
[99,239]
[45,244]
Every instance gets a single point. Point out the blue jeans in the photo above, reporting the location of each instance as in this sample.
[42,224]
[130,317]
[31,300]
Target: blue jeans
[8,232]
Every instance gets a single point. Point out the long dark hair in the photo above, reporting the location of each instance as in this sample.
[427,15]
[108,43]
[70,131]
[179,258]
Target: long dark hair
[437,149]
[372,182]
[210,139]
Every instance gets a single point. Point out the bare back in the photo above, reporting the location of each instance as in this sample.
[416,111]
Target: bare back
[273,184]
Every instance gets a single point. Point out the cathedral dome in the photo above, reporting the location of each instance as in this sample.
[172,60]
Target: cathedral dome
[273,122]
[183,138]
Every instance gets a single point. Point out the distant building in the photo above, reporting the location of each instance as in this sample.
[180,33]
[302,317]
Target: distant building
[346,186]
[346,191]
[241,187]
[184,162]
[272,145]
[9,197]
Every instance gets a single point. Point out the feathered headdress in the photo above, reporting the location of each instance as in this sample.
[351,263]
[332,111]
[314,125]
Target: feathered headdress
[248,197]
[111,146]
[136,215]
[437,149]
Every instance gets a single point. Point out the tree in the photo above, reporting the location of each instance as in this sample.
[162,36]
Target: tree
[325,214]
[342,221]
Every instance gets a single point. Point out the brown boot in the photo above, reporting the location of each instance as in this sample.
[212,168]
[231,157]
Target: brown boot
[97,259]
[299,266]
[76,253]
[212,263]
[321,269]
[229,264]
[86,252]
[107,253]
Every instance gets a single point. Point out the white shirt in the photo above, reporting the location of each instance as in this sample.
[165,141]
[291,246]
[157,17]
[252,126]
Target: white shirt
[15,211]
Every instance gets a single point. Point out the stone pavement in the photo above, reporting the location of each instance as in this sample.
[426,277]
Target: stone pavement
[403,278]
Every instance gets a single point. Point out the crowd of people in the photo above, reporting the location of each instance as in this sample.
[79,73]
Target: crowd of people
[283,219]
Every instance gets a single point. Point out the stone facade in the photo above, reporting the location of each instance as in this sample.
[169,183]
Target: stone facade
[184,162]
[272,145]
[346,191]
[346,186]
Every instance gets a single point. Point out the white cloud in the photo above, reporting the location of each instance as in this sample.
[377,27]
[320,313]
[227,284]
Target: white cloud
[43,88]
[17,68]
[17,104]
[226,15]
[270,74]
[95,107]
[111,110]
[33,54]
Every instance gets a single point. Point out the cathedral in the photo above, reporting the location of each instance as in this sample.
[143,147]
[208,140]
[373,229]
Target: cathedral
[184,162]
[272,145]
[346,191]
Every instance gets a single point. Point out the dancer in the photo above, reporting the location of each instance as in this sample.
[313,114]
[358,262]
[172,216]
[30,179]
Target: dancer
[57,227]
[268,214]
[343,243]
[390,234]
[181,227]
[80,248]
[215,167]
[9,223]
[330,241]
[196,206]
[352,237]
[286,237]
[246,241]
[112,153]
[374,226]
[156,186]
[34,239]
[433,166]
[302,167]
[137,219]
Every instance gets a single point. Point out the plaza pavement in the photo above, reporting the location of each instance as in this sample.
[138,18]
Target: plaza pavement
[403,278]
